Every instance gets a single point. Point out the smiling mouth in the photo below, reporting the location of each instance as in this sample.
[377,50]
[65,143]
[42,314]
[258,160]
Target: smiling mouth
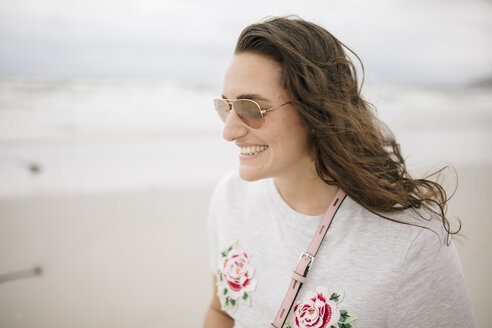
[252,150]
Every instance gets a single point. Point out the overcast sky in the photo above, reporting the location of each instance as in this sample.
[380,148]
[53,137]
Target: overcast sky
[443,42]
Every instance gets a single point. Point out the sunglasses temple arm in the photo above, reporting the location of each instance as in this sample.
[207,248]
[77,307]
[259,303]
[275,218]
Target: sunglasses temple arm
[263,111]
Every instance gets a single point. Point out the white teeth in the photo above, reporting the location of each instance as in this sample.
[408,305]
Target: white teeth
[251,150]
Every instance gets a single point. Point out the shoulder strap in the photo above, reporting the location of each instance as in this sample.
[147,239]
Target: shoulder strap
[306,261]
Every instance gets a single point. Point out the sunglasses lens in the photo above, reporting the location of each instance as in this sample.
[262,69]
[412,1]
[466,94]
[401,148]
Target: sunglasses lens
[222,108]
[249,112]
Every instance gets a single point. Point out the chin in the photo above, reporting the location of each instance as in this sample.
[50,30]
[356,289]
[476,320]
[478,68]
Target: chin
[249,175]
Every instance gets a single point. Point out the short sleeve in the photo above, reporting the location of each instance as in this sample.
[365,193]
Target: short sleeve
[218,201]
[212,233]
[431,290]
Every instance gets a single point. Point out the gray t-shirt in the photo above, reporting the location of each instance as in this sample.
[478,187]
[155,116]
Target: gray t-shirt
[369,271]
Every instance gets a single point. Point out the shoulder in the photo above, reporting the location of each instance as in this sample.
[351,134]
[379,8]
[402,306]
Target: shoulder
[427,228]
[425,270]
[431,281]
[397,234]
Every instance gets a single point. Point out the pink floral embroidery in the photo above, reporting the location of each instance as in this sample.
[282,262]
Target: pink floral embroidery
[235,278]
[319,310]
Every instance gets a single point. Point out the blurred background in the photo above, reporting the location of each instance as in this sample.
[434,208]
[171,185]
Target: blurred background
[110,147]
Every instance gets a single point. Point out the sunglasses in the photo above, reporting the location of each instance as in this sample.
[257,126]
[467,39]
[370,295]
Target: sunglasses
[248,110]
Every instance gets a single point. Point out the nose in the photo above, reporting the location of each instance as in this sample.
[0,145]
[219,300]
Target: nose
[234,127]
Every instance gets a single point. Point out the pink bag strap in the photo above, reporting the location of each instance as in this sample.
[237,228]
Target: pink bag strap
[306,261]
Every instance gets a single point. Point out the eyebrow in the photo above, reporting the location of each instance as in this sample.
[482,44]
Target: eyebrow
[252,96]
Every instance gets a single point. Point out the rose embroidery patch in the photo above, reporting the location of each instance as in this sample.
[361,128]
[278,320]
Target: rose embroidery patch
[235,278]
[319,309]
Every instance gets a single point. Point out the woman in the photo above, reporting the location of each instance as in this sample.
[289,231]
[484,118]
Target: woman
[292,105]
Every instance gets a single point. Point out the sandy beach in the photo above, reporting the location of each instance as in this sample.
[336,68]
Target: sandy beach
[140,258]
[472,204]
[123,259]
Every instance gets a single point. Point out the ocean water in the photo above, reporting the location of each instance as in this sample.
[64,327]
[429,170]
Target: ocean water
[83,135]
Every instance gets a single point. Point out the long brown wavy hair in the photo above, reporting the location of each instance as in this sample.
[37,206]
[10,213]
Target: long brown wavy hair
[352,147]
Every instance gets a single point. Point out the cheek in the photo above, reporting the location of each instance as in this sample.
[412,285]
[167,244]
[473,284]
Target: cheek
[289,133]
[291,146]
[302,145]
[297,138]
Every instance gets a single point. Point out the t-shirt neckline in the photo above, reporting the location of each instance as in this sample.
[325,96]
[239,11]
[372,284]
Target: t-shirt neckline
[280,203]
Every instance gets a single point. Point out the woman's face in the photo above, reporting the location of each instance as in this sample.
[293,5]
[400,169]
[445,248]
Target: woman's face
[281,146]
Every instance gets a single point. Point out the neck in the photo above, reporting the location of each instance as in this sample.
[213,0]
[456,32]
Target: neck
[305,192]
